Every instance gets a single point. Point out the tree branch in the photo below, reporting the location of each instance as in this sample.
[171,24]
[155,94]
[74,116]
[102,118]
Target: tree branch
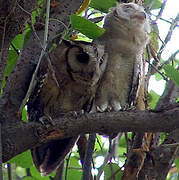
[16,139]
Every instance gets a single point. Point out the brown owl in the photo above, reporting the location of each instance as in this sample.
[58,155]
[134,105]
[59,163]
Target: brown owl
[67,81]
[127,28]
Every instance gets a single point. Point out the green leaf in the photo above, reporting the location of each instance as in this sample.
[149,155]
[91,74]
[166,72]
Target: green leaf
[156,5]
[27,34]
[111,169]
[86,27]
[158,77]
[102,5]
[122,142]
[24,160]
[74,162]
[29,178]
[74,174]
[162,138]
[153,99]
[177,99]
[98,144]
[11,61]
[24,115]
[18,41]
[177,163]
[172,73]
[21,172]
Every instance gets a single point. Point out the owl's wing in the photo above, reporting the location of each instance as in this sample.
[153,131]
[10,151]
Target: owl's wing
[136,81]
[48,156]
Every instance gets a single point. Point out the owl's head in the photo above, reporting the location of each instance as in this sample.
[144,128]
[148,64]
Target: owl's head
[128,21]
[130,15]
[84,63]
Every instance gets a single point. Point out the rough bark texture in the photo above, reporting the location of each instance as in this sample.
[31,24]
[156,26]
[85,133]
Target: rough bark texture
[103,123]
[13,15]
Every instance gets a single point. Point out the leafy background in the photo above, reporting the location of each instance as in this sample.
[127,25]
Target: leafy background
[22,164]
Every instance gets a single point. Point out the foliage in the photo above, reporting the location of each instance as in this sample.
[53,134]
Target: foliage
[153,99]
[86,27]
[157,3]
[172,73]
[90,30]
[16,46]
[102,5]
[112,168]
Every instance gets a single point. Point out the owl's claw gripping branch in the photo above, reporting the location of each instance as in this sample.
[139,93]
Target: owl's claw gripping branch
[46,121]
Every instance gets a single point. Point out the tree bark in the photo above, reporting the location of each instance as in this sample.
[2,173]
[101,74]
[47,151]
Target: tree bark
[16,137]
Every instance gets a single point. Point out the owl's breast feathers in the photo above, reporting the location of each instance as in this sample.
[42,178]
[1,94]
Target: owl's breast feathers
[127,33]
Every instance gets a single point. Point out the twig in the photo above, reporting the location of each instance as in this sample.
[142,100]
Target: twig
[113,177]
[59,172]
[67,164]
[149,6]
[161,10]
[33,81]
[163,19]
[106,159]
[24,10]
[2,62]
[156,69]
[170,145]
[9,171]
[88,157]
[96,19]
[1,175]
[99,144]
[171,58]
[114,174]
[168,36]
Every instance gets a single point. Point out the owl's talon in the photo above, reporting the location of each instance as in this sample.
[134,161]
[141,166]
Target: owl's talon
[128,108]
[46,121]
[76,113]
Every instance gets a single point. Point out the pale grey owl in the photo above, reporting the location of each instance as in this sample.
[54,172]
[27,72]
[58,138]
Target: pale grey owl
[127,33]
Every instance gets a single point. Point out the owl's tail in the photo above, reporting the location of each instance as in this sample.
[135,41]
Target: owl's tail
[49,156]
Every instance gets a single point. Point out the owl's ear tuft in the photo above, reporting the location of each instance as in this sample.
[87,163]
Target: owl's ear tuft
[83,57]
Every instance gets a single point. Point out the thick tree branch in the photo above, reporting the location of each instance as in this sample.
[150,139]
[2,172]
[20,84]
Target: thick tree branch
[103,123]
[12,19]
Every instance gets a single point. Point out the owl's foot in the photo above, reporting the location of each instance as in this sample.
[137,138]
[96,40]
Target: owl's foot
[74,114]
[128,108]
[46,121]
[77,113]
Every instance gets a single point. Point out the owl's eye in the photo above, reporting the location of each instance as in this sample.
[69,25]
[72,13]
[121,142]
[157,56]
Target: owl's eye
[83,58]
[128,7]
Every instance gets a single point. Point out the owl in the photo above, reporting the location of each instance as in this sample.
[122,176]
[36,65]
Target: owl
[127,33]
[67,80]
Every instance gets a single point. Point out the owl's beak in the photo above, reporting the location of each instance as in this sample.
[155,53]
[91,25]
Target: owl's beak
[140,15]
